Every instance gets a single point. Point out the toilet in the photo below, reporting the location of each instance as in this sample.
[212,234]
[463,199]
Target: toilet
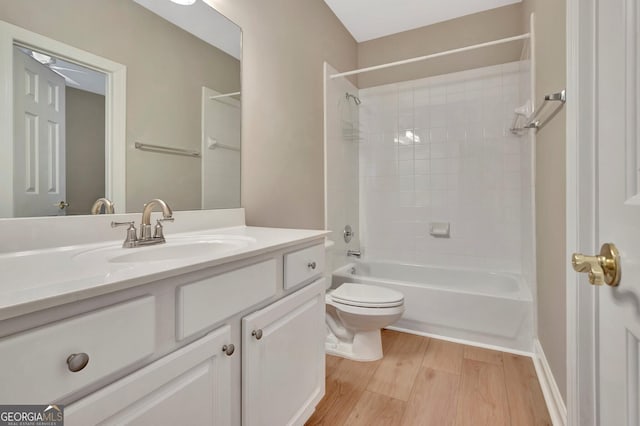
[355,313]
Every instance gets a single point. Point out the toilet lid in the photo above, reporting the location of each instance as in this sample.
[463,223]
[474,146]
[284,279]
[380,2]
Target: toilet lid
[367,296]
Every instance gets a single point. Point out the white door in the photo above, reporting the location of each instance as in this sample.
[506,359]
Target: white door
[191,386]
[617,202]
[39,138]
[220,150]
[283,359]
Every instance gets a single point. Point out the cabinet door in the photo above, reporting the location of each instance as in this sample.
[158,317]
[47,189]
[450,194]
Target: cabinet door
[283,359]
[191,386]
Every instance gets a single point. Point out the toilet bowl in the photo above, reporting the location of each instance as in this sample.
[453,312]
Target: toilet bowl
[355,313]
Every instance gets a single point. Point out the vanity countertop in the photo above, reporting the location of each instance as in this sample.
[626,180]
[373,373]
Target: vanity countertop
[38,279]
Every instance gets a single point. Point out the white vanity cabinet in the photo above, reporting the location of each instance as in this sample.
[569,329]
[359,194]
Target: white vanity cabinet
[283,359]
[237,343]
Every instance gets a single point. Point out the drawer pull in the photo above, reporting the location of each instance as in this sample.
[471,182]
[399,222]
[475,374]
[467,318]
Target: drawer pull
[229,349]
[77,362]
[311,265]
[257,334]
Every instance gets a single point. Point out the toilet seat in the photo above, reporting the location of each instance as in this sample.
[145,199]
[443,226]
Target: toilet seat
[366,296]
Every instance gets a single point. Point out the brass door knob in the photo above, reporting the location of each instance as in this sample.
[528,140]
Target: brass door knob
[603,268]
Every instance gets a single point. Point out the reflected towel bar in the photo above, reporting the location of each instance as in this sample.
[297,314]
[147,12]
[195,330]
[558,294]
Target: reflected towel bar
[213,144]
[166,149]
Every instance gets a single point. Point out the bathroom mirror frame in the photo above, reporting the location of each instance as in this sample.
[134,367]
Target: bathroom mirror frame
[115,110]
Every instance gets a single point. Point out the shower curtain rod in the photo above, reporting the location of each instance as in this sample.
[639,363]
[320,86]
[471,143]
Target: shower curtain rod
[433,55]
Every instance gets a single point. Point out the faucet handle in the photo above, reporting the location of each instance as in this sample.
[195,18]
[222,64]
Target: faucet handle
[157,231]
[131,238]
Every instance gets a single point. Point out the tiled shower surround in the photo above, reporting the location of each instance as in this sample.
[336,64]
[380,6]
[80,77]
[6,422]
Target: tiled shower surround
[439,149]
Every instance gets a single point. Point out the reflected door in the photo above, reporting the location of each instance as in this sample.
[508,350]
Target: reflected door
[39,139]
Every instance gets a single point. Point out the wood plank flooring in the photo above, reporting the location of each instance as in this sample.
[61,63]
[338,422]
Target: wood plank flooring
[423,381]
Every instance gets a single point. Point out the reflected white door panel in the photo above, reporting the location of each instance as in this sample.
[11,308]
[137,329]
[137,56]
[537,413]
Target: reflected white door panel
[39,139]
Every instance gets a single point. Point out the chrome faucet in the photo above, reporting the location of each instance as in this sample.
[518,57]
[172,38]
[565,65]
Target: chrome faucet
[354,253]
[100,202]
[146,238]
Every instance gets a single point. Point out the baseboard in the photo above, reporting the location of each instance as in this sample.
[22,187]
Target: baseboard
[553,398]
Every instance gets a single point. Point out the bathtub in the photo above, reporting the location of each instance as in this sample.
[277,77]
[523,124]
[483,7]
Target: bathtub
[483,308]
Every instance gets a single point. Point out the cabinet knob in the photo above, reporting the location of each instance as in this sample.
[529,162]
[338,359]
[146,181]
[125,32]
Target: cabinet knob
[311,265]
[257,334]
[229,349]
[76,362]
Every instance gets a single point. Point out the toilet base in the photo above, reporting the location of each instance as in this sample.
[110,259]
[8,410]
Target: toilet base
[366,346]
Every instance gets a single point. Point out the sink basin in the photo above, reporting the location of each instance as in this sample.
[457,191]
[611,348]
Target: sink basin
[176,248]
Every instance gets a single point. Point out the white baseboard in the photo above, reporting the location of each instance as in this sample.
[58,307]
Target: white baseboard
[552,396]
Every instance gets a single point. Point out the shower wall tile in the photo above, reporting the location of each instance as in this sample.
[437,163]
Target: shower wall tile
[439,149]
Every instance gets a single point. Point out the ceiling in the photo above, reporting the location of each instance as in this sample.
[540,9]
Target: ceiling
[369,19]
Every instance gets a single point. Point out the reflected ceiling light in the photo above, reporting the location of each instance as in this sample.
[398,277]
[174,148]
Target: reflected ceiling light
[184,2]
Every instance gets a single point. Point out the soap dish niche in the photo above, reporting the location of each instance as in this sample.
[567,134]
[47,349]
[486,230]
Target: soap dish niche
[440,229]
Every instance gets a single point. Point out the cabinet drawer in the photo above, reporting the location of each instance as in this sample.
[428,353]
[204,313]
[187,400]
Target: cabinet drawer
[303,265]
[206,302]
[113,338]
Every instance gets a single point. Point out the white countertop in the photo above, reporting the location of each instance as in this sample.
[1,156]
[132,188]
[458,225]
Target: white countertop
[38,279]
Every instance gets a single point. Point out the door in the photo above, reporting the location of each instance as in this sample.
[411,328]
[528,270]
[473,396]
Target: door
[191,386]
[220,150]
[39,138]
[283,359]
[617,205]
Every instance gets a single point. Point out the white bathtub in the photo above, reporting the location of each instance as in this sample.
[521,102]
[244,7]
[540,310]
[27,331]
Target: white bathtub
[486,308]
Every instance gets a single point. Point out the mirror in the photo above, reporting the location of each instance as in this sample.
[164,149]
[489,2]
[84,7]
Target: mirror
[169,111]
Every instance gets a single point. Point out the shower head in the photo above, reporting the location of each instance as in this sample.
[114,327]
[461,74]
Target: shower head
[355,98]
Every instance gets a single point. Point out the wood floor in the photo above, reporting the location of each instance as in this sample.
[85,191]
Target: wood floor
[422,381]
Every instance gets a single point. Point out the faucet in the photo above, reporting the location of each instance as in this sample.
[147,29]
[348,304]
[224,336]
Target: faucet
[146,238]
[100,202]
[354,253]
[145,226]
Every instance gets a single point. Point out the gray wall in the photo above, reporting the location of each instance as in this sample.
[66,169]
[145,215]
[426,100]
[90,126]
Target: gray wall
[550,76]
[84,149]
[285,43]
[166,68]
[471,29]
